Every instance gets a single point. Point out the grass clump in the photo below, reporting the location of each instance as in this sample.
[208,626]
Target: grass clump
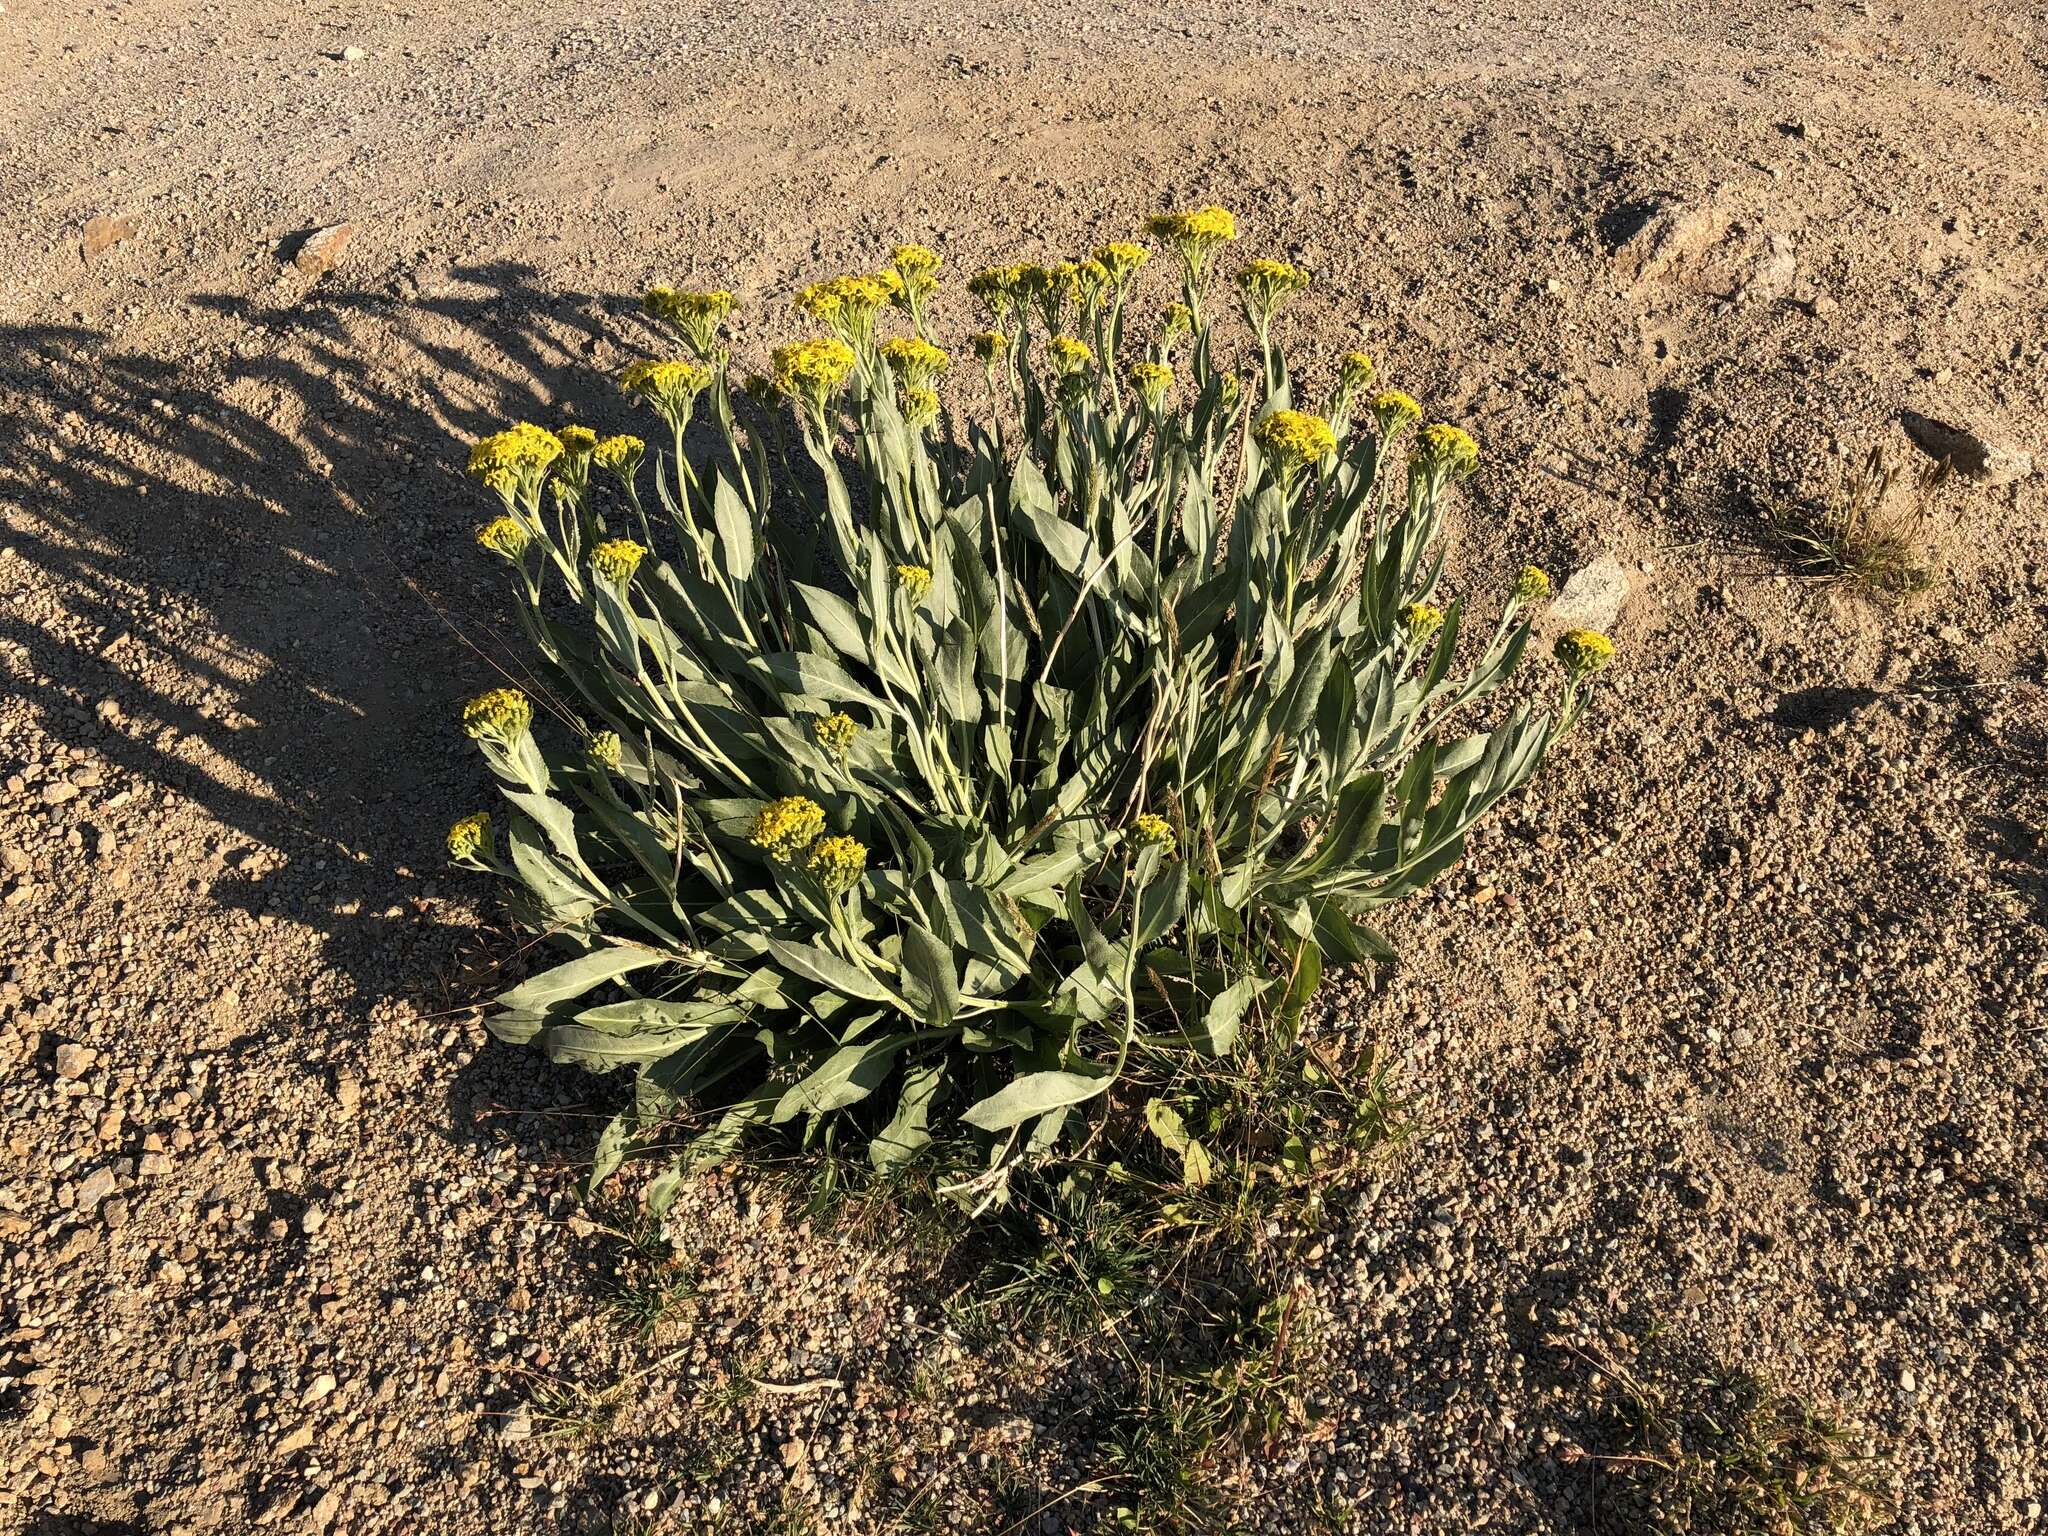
[904,772]
[1871,530]
[1724,1451]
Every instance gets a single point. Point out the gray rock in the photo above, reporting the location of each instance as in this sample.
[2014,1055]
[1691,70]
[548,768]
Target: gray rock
[1593,598]
[1973,457]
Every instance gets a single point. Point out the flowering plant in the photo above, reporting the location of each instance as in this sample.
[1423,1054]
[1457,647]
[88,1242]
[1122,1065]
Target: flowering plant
[919,793]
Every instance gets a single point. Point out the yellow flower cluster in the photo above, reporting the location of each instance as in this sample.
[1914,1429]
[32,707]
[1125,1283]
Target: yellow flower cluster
[998,288]
[1293,439]
[837,733]
[914,581]
[577,442]
[1583,651]
[1421,620]
[915,361]
[1393,410]
[696,315]
[1179,320]
[621,454]
[920,407]
[917,268]
[1194,234]
[503,536]
[1265,282]
[1153,831]
[1354,372]
[1153,382]
[848,304]
[521,453]
[1533,585]
[1121,258]
[988,345]
[615,560]
[603,749]
[505,713]
[812,370]
[669,384]
[469,836]
[1442,449]
[786,827]
[837,864]
[1071,355]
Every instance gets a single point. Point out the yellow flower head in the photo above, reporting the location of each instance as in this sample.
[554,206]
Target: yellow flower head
[1445,450]
[1265,282]
[1393,410]
[1121,258]
[669,385]
[1153,831]
[1583,651]
[1421,620]
[1153,382]
[696,315]
[621,454]
[914,581]
[836,733]
[1533,585]
[1193,235]
[997,288]
[503,536]
[577,442]
[1071,355]
[848,304]
[1178,321]
[989,345]
[469,837]
[812,371]
[603,749]
[915,361]
[615,560]
[504,713]
[786,827]
[837,864]
[518,455]
[1294,439]
[917,268]
[920,407]
[1354,372]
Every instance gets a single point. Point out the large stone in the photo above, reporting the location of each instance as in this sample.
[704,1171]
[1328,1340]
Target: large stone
[103,233]
[1593,598]
[320,251]
[1973,457]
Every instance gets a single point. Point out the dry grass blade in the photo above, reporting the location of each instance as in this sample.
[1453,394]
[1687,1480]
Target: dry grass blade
[1873,530]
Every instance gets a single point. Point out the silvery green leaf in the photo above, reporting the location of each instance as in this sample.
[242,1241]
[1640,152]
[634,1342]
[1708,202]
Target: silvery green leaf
[568,981]
[735,526]
[829,971]
[1034,1094]
[845,1077]
[907,1132]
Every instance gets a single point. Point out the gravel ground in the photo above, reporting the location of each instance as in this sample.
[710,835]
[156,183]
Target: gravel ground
[1734,1027]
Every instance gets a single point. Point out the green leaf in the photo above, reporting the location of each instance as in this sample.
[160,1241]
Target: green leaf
[735,530]
[829,971]
[611,1151]
[846,1076]
[1216,1031]
[568,981]
[906,1134]
[929,982]
[1034,1094]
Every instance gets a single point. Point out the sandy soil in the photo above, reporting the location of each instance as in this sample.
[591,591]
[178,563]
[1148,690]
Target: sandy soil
[1735,1025]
